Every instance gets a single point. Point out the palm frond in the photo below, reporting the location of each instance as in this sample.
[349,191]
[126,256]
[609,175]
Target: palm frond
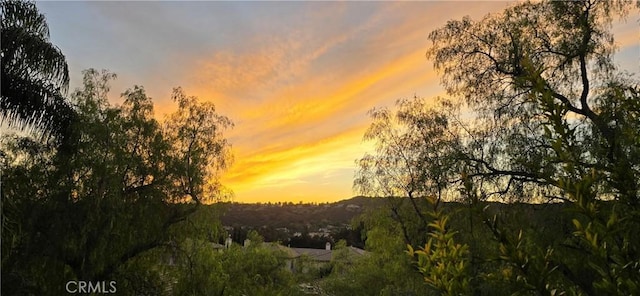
[27,102]
[24,14]
[35,74]
[31,56]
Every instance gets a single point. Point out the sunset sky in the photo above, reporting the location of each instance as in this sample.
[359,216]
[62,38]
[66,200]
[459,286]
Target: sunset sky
[297,78]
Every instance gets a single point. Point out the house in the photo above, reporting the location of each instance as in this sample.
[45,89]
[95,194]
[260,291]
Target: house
[301,259]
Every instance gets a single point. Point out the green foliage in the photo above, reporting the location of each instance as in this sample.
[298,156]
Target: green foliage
[547,118]
[416,152]
[192,264]
[384,270]
[340,258]
[414,146]
[86,214]
[196,133]
[609,238]
[546,93]
[442,261]
[252,270]
[538,78]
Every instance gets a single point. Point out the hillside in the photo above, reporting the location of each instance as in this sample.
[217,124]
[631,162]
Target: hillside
[312,225]
[297,217]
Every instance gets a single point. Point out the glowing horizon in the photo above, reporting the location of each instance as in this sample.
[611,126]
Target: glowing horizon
[297,78]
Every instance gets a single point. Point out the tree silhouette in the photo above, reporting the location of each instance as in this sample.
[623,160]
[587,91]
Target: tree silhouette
[539,112]
[93,213]
[551,106]
[34,72]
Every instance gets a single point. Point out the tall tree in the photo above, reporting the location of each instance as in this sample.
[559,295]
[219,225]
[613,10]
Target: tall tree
[556,121]
[85,215]
[547,118]
[34,72]
[541,80]
[414,159]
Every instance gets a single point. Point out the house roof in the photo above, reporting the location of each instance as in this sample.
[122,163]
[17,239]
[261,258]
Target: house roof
[322,255]
[357,251]
[314,254]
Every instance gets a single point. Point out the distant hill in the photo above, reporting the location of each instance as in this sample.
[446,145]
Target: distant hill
[297,217]
[312,225]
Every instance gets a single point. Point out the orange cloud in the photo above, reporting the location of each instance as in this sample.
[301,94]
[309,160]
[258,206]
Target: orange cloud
[299,100]
[626,33]
[309,127]
[295,165]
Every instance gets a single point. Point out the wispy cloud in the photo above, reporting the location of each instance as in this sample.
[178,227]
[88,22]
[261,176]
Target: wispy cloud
[297,78]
